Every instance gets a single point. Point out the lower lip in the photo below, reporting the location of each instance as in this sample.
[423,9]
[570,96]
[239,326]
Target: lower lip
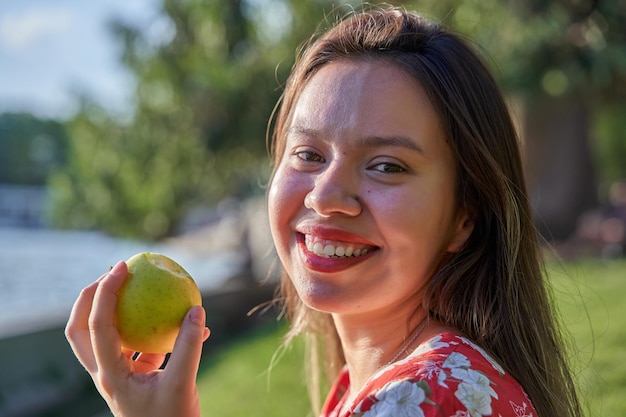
[322,264]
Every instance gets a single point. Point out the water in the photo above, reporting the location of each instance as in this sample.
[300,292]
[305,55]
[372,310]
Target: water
[42,271]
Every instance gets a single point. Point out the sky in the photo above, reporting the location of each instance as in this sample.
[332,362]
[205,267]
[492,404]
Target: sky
[51,50]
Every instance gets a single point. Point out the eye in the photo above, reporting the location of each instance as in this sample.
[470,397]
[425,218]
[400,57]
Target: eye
[388,168]
[309,156]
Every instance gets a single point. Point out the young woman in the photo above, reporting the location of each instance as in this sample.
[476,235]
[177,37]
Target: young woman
[400,216]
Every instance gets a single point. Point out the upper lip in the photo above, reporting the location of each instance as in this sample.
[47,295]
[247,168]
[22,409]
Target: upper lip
[332,233]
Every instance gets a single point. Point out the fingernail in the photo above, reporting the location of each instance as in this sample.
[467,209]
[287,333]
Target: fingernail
[116,268]
[196,315]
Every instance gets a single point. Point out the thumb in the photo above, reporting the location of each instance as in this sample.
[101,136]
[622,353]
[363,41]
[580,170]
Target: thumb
[185,358]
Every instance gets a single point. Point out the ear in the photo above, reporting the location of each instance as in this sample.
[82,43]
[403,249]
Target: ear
[463,229]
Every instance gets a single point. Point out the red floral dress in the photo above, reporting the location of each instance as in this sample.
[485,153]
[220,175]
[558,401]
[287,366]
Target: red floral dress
[447,376]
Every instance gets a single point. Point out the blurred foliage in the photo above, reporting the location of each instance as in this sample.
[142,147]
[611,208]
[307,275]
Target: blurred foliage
[30,148]
[127,180]
[205,91]
[609,140]
[563,49]
[207,84]
[545,47]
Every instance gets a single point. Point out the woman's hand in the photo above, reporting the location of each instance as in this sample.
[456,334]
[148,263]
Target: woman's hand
[135,388]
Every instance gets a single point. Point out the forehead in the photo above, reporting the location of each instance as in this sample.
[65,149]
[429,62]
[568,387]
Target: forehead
[368,99]
[351,87]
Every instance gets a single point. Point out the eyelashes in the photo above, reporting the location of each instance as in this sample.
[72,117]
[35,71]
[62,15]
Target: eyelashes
[309,156]
[389,168]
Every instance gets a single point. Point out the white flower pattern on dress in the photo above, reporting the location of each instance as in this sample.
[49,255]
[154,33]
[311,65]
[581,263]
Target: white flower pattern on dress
[430,369]
[433,344]
[520,411]
[441,379]
[456,360]
[474,391]
[477,402]
[489,359]
[398,399]
[414,386]
[476,379]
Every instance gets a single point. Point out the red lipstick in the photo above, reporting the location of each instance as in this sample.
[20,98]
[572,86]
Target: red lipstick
[320,263]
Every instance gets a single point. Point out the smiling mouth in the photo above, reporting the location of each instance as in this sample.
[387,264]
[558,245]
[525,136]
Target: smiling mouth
[336,249]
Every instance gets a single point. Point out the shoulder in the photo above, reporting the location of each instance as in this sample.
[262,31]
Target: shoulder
[447,374]
[452,351]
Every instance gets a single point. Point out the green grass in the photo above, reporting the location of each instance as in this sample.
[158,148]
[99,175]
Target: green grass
[591,298]
[238,381]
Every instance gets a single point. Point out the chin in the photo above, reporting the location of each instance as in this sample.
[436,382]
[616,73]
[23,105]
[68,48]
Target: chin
[323,298]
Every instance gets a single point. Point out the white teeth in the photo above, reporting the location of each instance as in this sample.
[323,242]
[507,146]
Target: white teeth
[330,250]
[318,248]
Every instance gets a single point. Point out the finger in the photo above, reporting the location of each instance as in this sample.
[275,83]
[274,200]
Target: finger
[105,338]
[147,362]
[129,353]
[77,328]
[185,358]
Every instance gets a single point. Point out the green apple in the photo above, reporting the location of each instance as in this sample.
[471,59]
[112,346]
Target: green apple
[152,303]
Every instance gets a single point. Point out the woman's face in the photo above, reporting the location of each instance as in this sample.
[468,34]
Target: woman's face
[362,204]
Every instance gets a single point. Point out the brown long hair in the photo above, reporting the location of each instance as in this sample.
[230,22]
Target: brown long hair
[493,290]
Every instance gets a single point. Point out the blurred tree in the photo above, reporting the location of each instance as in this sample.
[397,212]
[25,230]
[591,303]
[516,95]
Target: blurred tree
[30,148]
[127,180]
[577,64]
[561,59]
[609,139]
[207,84]
[206,88]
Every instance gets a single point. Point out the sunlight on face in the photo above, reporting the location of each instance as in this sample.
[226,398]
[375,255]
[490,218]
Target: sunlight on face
[362,204]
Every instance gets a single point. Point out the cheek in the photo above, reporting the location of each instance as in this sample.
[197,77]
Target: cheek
[417,222]
[275,208]
[285,198]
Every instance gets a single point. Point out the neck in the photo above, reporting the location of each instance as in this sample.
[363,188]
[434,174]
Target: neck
[369,345]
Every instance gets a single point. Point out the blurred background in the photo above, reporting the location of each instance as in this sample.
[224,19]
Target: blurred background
[132,126]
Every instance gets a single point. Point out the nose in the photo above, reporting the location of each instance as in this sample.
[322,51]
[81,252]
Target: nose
[335,191]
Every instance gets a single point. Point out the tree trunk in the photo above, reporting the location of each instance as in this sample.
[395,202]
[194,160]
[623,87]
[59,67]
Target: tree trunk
[558,162]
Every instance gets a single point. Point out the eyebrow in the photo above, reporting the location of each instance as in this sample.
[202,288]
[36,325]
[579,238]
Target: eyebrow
[399,141]
[368,141]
